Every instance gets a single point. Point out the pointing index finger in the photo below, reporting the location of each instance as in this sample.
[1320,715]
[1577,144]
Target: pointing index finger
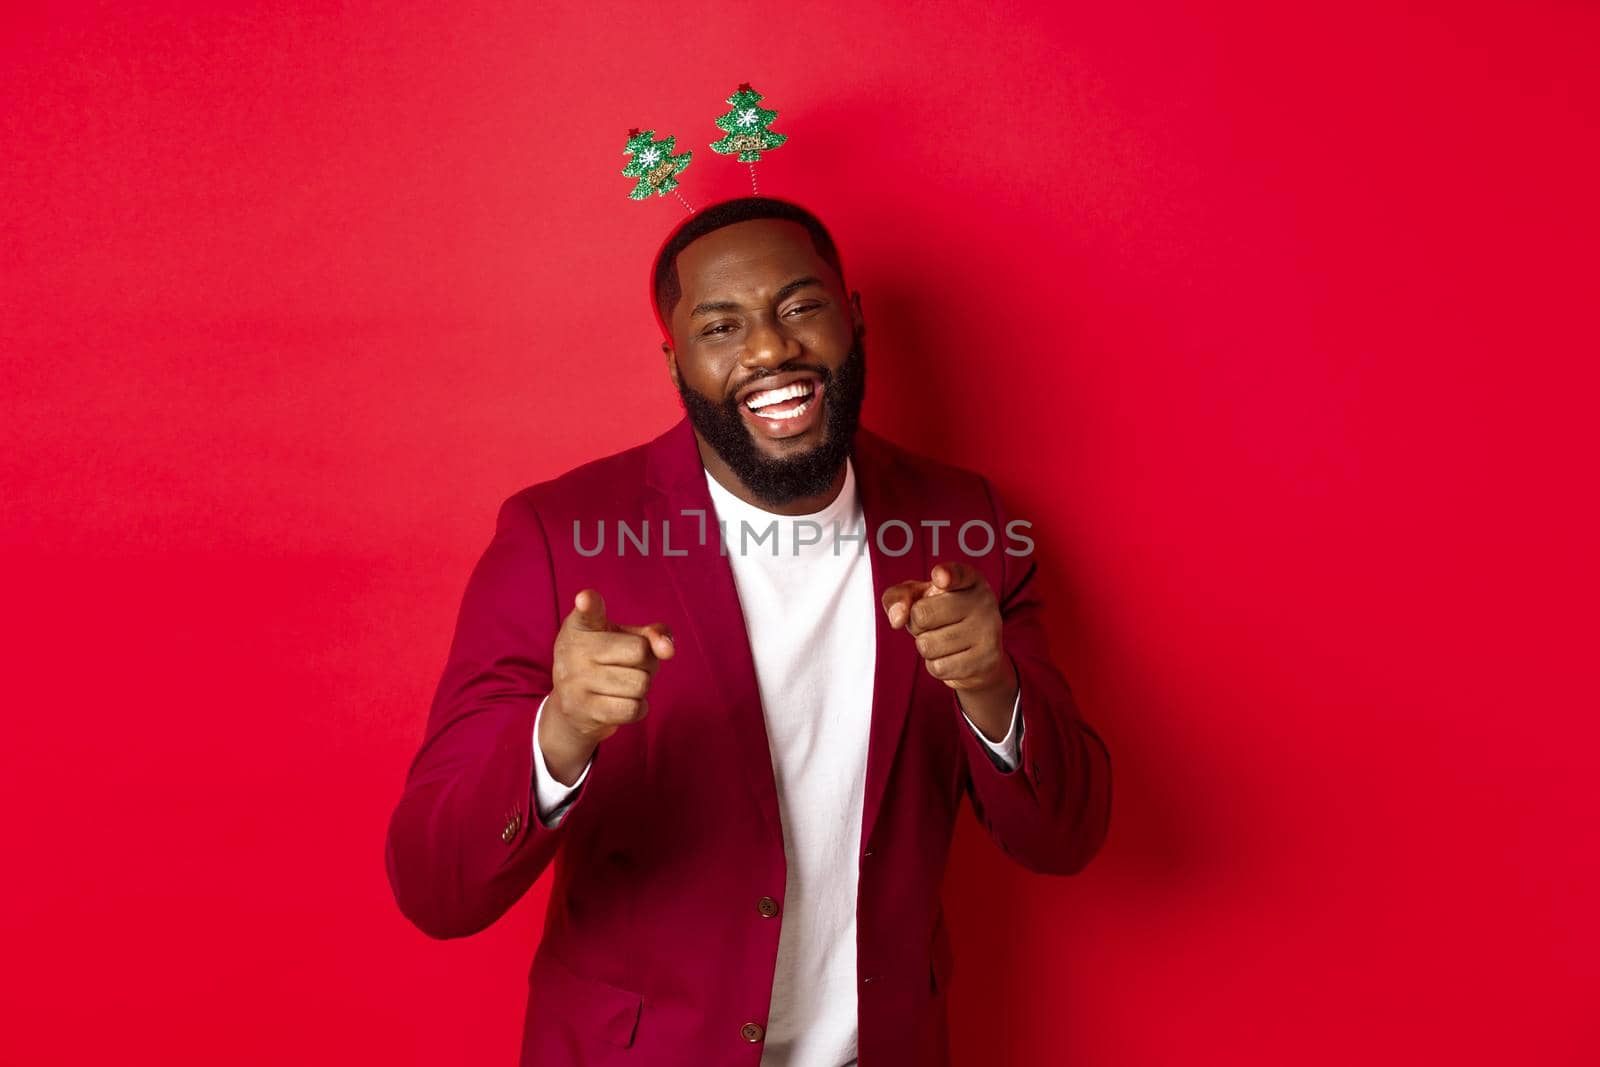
[589,611]
[897,601]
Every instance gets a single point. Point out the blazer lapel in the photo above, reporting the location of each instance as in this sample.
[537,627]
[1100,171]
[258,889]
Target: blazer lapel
[702,579]
[883,504]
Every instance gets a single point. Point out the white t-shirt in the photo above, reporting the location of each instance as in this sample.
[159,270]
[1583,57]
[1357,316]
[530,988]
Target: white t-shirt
[810,615]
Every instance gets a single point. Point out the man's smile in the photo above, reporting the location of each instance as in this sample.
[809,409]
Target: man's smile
[785,410]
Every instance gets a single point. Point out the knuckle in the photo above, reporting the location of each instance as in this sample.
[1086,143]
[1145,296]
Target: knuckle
[575,708]
[623,710]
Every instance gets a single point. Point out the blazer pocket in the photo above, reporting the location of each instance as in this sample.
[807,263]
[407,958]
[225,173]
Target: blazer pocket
[586,1004]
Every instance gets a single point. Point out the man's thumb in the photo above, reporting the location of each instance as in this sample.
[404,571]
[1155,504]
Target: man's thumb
[659,636]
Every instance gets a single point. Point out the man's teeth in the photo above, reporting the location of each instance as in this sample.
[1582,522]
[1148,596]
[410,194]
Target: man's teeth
[779,395]
[793,413]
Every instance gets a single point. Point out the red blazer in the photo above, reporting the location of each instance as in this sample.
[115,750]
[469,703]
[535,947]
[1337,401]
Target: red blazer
[654,950]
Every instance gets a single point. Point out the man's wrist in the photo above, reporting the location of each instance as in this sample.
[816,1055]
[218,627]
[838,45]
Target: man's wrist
[990,707]
[566,752]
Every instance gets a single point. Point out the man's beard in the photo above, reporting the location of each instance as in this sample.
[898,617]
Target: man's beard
[782,480]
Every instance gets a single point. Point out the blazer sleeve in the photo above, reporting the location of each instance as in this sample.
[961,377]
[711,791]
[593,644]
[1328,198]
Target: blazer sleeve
[465,841]
[1051,812]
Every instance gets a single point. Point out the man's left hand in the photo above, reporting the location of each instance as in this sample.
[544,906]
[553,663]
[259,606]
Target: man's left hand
[955,619]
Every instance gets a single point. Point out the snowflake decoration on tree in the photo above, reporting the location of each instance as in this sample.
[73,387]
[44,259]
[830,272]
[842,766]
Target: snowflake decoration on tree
[653,163]
[746,127]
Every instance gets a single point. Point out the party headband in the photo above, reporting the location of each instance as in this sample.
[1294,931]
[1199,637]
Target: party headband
[656,165]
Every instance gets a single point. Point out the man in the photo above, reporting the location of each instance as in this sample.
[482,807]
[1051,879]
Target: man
[743,735]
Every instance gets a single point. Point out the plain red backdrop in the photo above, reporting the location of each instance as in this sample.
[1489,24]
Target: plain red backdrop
[1279,325]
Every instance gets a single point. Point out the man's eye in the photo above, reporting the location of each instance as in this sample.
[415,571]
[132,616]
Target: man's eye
[802,308]
[715,328]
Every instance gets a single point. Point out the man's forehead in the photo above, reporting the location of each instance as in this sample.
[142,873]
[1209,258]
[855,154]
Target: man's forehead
[748,254]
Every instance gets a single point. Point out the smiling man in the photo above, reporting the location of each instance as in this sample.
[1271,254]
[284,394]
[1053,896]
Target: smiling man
[772,373]
[743,736]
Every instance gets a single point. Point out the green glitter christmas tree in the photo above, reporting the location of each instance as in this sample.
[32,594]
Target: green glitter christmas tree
[746,127]
[654,164]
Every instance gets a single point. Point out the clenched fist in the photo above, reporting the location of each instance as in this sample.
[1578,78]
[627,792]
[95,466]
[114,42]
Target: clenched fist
[601,673]
[956,621]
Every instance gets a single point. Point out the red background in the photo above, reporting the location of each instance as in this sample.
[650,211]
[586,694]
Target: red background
[1278,325]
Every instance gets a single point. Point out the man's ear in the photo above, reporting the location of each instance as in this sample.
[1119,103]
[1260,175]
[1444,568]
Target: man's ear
[672,363]
[855,311]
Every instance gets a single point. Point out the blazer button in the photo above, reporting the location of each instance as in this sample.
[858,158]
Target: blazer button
[767,907]
[752,1032]
[513,824]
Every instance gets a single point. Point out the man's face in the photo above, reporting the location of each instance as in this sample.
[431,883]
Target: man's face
[768,356]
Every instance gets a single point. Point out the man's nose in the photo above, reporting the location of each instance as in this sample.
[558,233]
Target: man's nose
[769,345]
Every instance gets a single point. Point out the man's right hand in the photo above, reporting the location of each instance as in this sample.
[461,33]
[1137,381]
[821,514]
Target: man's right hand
[601,674]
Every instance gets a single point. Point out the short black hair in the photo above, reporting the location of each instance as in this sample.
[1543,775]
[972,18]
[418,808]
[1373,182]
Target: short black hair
[669,290]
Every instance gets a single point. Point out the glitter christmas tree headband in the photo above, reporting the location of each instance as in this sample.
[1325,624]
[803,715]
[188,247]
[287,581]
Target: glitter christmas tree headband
[655,165]
[746,126]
